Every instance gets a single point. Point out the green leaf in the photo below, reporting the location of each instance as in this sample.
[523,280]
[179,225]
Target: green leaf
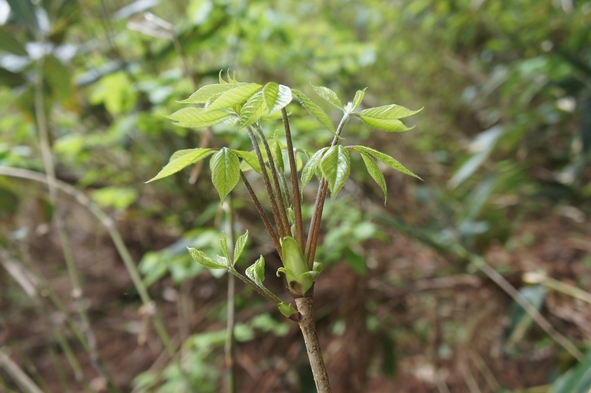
[287,310]
[180,160]
[224,246]
[251,159]
[202,259]
[197,117]
[328,95]
[315,110]
[256,271]
[375,173]
[235,96]
[225,171]
[276,96]
[392,125]
[388,112]
[23,12]
[386,159]
[252,110]
[276,151]
[206,92]
[358,98]
[10,44]
[336,166]
[311,166]
[239,247]
[575,380]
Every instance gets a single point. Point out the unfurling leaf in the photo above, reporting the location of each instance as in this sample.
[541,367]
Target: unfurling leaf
[225,171]
[288,311]
[251,159]
[358,98]
[315,110]
[197,117]
[239,247]
[311,166]
[256,271]
[386,159]
[202,259]
[235,96]
[252,110]
[180,160]
[224,246]
[336,166]
[276,96]
[375,173]
[328,95]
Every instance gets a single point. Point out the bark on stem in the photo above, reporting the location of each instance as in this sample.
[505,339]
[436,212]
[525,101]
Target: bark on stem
[308,328]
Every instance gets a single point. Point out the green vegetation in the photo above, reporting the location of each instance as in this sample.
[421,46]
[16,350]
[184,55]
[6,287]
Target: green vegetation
[451,283]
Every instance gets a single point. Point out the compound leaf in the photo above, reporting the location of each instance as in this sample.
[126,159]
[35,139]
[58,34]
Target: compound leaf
[336,166]
[225,171]
[386,159]
[235,96]
[328,95]
[315,110]
[197,117]
[375,173]
[311,166]
[180,160]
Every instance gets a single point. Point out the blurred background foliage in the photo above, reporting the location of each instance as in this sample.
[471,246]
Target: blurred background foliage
[504,145]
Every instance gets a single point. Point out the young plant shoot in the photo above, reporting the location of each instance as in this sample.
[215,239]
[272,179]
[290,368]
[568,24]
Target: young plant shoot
[246,106]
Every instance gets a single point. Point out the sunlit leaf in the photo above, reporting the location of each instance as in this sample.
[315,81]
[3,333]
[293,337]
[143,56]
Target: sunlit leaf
[315,110]
[388,112]
[310,168]
[202,259]
[276,96]
[197,117]
[328,95]
[256,271]
[180,160]
[239,247]
[358,98]
[225,171]
[375,173]
[386,159]
[336,166]
[252,110]
[204,93]
[235,96]
[391,125]
[251,159]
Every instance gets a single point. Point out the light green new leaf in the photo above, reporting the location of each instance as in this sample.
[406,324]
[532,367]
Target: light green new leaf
[388,112]
[391,125]
[328,95]
[256,271]
[235,96]
[224,246]
[277,153]
[251,159]
[386,159]
[180,160]
[358,98]
[206,92]
[375,173]
[311,166]
[252,110]
[239,247]
[202,259]
[197,117]
[276,96]
[315,110]
[336,166]
[225,171]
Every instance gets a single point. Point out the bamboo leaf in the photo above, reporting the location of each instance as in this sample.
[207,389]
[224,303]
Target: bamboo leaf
[197,117]
[239,247]
[328,95]
[358,98]
[276,96]
[256,271]
[180,160]
[235,96]
[311,166]
[225,171]
[202,259]
[206,92]
[315,110]
[336,166]
[252,110]
[375,173]
[386,159]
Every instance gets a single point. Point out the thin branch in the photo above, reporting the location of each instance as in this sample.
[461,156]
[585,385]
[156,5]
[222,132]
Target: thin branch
[268,187]
[229,348]
[295,186]
[275,176]
[262,213]
[266,294]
